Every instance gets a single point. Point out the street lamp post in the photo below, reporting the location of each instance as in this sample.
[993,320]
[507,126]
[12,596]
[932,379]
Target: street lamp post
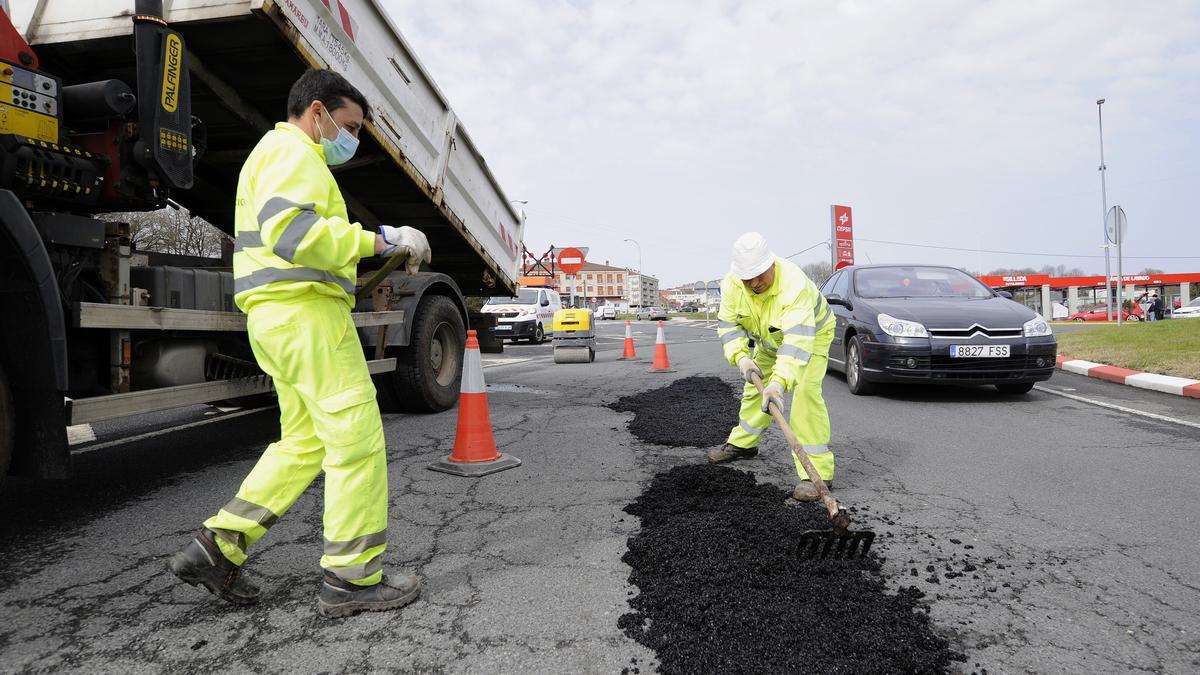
[639,248]
[1108,304]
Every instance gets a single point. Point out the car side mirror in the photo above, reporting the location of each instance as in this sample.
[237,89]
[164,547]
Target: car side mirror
[838,300]
[1004,294]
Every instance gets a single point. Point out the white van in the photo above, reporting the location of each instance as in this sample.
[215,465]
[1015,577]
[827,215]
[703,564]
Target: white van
[529,316]
[606,312]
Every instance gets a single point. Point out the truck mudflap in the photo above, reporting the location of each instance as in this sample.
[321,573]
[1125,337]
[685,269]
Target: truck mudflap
[35,344]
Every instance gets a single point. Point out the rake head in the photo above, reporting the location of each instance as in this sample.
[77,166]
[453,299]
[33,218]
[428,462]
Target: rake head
[835,544]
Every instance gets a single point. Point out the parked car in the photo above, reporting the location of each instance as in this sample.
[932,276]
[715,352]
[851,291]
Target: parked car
[606,312]
[1188,311]
[1100,313]
[930,324]
[651,314]
[527,316]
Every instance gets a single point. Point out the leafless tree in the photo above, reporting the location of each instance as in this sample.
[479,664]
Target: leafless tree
[819,272]
[171,231]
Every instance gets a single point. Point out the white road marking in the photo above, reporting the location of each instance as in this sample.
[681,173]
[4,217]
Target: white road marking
[168,430]
[80,433]
[494,363]
[1119,408]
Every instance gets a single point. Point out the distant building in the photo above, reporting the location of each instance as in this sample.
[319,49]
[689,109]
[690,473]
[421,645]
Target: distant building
[605,283]
[687,295]
[641,290]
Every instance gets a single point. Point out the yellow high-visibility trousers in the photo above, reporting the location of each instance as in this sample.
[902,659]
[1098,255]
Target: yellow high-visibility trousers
[329,422]
[808,417]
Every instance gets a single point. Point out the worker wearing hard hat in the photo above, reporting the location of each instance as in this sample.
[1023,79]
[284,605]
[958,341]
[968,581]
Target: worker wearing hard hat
[294,268]
[773,302]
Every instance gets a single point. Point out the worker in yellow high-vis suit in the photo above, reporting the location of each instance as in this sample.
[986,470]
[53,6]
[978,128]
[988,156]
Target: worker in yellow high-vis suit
[773,302]
[294,267]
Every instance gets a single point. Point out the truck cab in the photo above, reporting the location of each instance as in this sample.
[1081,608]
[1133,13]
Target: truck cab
[527,316]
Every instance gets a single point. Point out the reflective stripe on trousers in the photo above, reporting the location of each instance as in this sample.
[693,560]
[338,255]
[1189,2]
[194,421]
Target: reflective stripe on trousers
[329,422]
[808,417]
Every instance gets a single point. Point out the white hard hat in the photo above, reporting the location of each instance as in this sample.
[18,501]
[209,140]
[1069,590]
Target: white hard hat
[751,257]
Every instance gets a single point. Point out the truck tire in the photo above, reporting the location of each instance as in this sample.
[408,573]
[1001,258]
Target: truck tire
[429,370]
[8,423]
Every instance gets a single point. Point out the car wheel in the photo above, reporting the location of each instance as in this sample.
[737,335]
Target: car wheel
[1079,319]
[859,386]
[539,335]
[1015,388]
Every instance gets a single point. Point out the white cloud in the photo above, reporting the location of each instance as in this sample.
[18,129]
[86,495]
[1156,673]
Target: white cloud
[684,122]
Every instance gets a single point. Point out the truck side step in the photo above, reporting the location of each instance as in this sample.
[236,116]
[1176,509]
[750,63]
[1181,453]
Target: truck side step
[98,408]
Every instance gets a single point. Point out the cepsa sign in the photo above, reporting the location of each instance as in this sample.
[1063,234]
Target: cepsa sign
[842,229]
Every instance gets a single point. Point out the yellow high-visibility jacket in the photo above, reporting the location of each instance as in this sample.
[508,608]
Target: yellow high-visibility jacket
[784,321]
[293,235]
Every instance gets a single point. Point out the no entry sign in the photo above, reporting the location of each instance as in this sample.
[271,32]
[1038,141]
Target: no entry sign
[842,236]
[570,260]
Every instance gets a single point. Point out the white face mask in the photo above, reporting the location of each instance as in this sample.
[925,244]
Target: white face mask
[340,149]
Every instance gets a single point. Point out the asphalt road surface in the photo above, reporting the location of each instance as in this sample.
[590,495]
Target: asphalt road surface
[1076,505]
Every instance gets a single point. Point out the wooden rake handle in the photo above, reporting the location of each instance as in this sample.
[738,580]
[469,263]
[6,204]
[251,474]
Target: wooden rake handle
[837,514]
[380,274]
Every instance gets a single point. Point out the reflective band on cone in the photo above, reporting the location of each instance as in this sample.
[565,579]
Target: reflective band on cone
[475,452]
[630,352]
[661,363]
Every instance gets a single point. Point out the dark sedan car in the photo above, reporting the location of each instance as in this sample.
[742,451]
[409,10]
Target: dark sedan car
[918,323]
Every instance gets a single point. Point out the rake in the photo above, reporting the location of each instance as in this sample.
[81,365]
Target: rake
[836,543]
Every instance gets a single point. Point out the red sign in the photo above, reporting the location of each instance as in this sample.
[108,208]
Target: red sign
[570,260]
[842,236]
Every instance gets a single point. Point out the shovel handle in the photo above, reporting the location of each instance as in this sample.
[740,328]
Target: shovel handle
[837,515]
[380,274]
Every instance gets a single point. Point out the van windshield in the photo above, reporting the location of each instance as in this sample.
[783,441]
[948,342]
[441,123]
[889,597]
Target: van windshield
[527,296]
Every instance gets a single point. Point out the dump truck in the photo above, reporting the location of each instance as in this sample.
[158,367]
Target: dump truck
[117,106]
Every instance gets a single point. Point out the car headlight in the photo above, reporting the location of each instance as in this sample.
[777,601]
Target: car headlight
[1037,327]
[901,327]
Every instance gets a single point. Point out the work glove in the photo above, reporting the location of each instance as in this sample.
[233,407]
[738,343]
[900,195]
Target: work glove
[772,393]
[748,366]
[408,242]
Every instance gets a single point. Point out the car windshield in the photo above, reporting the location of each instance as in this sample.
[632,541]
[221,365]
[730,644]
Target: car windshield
[918,282]
[1194,303]
[527,296]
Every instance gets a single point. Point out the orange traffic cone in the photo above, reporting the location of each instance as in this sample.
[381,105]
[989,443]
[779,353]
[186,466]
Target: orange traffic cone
[630,353]
[474,451]
[661,363]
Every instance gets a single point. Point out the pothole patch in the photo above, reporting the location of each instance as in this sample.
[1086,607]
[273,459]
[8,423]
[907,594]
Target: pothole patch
[722,590]
[690,412]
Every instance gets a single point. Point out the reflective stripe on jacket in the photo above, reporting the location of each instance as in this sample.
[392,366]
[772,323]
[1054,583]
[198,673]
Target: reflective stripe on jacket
[293,234]
[784,321]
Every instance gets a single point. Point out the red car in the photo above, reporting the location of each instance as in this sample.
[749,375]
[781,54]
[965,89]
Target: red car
[1100,313]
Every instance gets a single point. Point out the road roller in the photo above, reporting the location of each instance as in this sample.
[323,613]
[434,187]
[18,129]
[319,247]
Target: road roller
[574,336]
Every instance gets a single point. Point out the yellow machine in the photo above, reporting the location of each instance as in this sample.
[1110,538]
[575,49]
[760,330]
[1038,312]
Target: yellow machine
[574,336]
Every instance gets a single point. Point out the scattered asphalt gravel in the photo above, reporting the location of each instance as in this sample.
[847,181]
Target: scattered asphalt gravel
[722,590]
[690,412]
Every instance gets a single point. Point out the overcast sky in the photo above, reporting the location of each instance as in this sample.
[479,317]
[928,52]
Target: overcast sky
[683,123]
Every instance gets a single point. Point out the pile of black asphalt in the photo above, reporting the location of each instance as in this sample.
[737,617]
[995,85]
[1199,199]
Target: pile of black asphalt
[721,588]
[690,412]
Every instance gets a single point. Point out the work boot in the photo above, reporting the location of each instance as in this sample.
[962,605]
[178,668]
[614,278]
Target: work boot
[730,453]
[341,598]
[807,492]
[202,563]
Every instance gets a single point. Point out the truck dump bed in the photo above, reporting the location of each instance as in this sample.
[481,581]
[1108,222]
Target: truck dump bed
[415,166]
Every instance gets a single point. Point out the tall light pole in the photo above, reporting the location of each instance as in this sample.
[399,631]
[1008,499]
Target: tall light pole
[640,298]
[639,248]
[1108,302]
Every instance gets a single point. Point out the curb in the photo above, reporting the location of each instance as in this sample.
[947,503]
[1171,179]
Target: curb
[1179,386]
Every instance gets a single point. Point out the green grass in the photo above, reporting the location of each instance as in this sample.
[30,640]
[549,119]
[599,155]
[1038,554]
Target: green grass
[1163,347]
